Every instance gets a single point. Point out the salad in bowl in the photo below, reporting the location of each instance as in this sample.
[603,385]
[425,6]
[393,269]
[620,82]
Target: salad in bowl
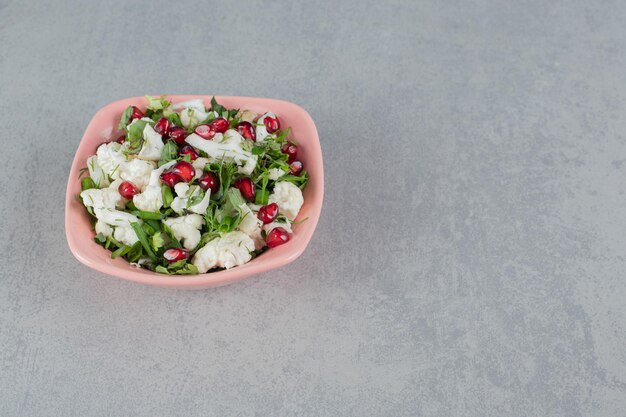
[188,189]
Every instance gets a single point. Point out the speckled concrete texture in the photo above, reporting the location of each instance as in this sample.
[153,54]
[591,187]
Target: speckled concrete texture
[469,260]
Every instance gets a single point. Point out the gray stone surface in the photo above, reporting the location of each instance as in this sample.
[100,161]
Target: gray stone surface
[469,260]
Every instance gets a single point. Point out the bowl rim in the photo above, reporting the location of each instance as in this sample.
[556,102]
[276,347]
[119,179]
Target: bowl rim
[282,256]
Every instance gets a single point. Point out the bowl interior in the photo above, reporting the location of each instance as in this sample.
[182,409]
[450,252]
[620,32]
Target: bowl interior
[103,128]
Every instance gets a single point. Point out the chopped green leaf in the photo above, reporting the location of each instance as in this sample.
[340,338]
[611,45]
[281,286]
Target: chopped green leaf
[174,118]
[125,118]
[157,241]
[166,193]
[148,215]
[141,235]
[169,152]
[87,183]
[157,103]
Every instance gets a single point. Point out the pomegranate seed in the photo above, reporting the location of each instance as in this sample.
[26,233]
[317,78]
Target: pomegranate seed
[276,237]
[246,130]
[189,150]
[295,168]
[209,181]
[245,186]
[204,131]
[162,126]
[268,214]
[219,125]
[121,139]
[184,170]
[271,124]
[175,254]
[136,114]
[178,134]
[290,149]
[170,178]
[127,190]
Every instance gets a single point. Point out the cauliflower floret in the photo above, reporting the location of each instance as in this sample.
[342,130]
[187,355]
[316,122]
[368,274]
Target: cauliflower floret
[115,217]
[104,229]
[152,144]
[230,250]
[96,173]
[102,198]
[199,164]
[186,229]
[218,151]
[246,116]
[126,235]
[231,137]
[192,112]
[289,199]
[276,173]
[110,157]
[251,226]
[195,103]
[184,193]
[151,199]
[136,171]
[268,227]
[261,130]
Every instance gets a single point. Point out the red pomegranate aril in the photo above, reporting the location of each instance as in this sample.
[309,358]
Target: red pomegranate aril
[189,150]
[170,178]
[219,125]
[271,124]
[121,139]
[175,255]
[295,168]
[268,214]
[209,181]
[245,187]
[162,126]
[204,131]
[178,134]
[127,190]
[246,130]
[136,114]
[276,237]
[290,149]
[184,170]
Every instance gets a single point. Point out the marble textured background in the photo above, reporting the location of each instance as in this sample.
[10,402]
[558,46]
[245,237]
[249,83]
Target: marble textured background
[469,260]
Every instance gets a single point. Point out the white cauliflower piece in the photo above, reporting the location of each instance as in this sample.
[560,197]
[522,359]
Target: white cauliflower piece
[102,198]
[268,227]
[151,198]
[251,226]
[261,130]
[104,229]
[96,173]
[195,103]
[186,229]
[115,217]
[288,197]
[218,151]
[276,173]
[184,192]
[231,137]
[110,158]
[125,235]
[230,250]
[136,171]
[152,144]
[199,164]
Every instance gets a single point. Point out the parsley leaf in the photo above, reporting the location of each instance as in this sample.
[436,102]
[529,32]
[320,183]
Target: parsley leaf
[169,152]
[157,103]
[125,118]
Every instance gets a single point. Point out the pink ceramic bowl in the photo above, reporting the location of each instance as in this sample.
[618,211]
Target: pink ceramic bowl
[103,128]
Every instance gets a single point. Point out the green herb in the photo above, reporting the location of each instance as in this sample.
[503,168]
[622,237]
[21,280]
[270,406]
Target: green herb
[178,268]
[169,152]
[121,251]
[174,118]
[173,242]
[300,181]
[141,235]
[87,184]
[134,136]
[166,193]
[217,107]
[148,215]
[196,199]
[157,103]
[125,118]
[100,238]
[157,241]
[262,197]
[135,252]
